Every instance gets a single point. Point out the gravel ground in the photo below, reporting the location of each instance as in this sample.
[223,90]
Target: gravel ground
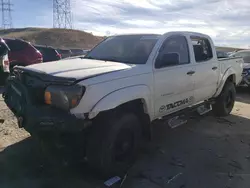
[206,152]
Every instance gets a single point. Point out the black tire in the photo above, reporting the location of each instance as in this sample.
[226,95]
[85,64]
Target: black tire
[104,140]
[225,101]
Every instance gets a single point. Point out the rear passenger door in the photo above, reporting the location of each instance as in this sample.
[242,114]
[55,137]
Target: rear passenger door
[174,83]
[207,69]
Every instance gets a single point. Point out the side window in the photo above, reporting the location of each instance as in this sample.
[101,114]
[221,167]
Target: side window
[174,51]
[202,49]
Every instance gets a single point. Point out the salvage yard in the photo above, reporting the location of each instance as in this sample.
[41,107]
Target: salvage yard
[207,152]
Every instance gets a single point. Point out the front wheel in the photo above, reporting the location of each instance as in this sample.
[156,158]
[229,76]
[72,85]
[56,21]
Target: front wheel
[225,102]
[113,144]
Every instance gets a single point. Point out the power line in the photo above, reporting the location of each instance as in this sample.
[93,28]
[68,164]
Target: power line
[62,17]
[6,14]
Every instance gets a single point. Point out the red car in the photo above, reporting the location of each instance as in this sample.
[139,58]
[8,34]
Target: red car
[22,53]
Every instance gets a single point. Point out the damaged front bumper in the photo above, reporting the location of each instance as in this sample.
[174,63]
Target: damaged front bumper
[39,117]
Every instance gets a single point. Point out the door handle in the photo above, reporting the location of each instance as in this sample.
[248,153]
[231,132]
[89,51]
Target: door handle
[214,68]
[190,73]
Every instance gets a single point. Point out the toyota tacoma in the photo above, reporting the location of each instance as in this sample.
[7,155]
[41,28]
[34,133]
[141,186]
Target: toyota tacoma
[112,95]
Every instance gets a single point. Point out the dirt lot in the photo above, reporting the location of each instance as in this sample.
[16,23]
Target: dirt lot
[207,152]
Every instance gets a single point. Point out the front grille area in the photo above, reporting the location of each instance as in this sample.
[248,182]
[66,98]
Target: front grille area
[34,87]
[15,97]
[36,82]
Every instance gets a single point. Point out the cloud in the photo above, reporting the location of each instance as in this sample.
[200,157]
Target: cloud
[226,21]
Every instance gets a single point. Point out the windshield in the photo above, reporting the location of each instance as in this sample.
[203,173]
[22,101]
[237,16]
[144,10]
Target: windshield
[132,49]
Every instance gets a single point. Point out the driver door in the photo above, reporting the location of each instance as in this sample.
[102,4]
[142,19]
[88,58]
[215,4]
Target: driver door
[174,83]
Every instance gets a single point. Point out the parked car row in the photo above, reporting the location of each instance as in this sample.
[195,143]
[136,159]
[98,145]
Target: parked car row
[72,52]
[245,54]
[49,53]
[22,53]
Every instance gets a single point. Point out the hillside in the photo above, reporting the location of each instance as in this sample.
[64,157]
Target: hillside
[59,38]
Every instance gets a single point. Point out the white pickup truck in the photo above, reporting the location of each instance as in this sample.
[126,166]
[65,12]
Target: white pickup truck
[112,95]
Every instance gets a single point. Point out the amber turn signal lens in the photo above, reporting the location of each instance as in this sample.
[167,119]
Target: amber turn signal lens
[74,102]
[47,97]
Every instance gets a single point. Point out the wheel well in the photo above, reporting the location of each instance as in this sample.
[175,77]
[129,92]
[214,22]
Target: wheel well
[231,78]
[139,109]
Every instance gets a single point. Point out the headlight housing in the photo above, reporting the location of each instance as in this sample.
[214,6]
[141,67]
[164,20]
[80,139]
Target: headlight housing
[63,97]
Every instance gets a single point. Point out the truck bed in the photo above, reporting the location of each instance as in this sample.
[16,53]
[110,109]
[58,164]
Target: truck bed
[233,62]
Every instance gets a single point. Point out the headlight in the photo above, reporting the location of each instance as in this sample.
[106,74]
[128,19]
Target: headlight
[64,97]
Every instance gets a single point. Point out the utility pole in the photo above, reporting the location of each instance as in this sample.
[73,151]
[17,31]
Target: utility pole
[62,17]
[6,14]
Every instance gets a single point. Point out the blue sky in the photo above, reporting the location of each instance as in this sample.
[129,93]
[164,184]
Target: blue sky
[32,13]
[226,21]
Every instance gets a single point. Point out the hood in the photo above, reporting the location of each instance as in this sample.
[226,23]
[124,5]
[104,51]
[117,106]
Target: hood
[78,68]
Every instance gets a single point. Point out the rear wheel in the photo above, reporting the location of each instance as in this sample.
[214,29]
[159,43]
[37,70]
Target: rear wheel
[225,102]
[113,144]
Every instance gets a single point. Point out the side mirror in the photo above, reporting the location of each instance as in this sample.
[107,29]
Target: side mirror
[168,59]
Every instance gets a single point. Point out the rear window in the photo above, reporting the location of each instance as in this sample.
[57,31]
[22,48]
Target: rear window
[65,51]
[76,51]
[15,45]
[47,51]
[221,54]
